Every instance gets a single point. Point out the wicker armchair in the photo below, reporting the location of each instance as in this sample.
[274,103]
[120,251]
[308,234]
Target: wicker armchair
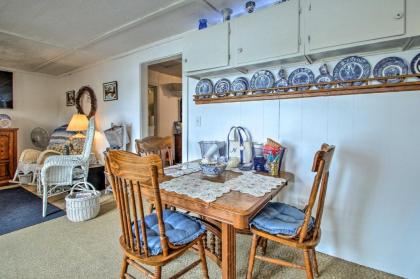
[60,172]
[31,160]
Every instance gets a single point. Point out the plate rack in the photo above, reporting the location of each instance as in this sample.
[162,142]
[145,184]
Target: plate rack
[338,88]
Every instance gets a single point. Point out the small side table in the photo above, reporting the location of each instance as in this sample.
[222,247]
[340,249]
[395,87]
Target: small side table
[96,176]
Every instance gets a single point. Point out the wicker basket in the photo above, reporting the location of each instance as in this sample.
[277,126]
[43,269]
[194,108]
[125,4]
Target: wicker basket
[83,202]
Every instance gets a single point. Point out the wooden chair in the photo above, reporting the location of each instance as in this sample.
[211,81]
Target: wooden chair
[167,150]
[148,145]
[304,239]
[157,145]
[132,175]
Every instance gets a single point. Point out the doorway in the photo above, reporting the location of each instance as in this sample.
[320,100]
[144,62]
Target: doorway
[164,103]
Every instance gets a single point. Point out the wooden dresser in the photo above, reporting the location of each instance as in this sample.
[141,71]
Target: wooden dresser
[8,154]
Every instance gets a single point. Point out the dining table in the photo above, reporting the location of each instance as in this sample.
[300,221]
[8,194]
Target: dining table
[228,214]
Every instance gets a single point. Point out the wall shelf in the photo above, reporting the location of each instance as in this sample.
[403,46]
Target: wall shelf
[338,88]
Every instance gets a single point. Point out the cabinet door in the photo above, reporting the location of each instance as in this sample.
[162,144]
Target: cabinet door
[266,35]
[5,154]
[207,48]
[331,24]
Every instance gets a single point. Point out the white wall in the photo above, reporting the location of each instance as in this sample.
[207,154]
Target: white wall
[126,71]
[167,105]
[372,199]
[372,202]
[34,105]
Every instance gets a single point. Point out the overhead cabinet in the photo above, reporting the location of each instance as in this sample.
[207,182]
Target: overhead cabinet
[207,48]
[269,34]
[335,24]
[303,30]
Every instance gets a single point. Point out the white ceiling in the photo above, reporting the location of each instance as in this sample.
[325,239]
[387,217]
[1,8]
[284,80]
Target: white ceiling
[58,36]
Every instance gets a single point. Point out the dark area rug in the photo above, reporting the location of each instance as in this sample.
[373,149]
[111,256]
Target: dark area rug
[20,208]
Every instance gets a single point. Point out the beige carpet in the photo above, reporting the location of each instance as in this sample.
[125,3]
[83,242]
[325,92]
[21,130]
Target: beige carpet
[61,249]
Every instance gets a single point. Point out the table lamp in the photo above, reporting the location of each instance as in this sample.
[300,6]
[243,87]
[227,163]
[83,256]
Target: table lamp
[79,124]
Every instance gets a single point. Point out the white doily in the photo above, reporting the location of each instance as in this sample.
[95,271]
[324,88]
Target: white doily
[182,169]
[254,184]
[249,183]
[193,186]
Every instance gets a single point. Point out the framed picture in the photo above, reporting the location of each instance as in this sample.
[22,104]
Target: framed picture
[110,91]
[6,89]
[70,98]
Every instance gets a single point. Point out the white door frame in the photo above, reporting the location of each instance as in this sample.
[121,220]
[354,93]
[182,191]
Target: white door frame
[144,83]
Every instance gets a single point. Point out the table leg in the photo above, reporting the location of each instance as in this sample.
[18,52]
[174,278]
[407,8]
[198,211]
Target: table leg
[228,252]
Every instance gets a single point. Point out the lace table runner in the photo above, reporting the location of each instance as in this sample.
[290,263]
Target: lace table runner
[194,186]
[182,169]
[254,184]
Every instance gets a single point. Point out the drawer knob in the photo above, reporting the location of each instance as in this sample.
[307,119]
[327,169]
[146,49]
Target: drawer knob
[399,15]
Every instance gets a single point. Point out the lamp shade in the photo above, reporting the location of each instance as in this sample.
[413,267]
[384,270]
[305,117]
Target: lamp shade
[78,123]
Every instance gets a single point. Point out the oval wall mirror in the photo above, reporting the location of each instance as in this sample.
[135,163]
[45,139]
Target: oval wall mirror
[86,101]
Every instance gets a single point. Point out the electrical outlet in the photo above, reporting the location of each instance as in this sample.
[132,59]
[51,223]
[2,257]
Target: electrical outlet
[198,121]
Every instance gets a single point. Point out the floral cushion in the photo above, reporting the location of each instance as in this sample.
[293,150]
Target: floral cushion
[60,138]
[180,229]
[280,218]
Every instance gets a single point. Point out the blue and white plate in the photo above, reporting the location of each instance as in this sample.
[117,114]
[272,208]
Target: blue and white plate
[301,76]
[350,68]
[240,84]
[324,77]
[204,86]
[262,80]
[415,65]
[282,81]
[222,86]
[390,66]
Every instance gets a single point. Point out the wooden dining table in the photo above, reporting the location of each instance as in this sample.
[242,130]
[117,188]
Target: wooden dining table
[227,215]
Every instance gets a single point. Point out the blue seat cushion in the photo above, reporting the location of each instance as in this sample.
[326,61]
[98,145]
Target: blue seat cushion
[280,218]
[179,228]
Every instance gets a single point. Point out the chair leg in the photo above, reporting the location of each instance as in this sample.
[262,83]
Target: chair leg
[158,272]
[315,262]
[124,266]
[44,202]
[308,264]
[252,253]
[203,259]
[264,245]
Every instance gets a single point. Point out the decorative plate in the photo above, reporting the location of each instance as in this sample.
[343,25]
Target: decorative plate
[390,66]
[222,86]
[240,84]
[324,77]
[262,80]
[282,81]
[301,76]
[5,121]
[415,65]
[350,68]
[204,86]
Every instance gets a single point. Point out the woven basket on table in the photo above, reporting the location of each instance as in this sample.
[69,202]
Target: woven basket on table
[83,202]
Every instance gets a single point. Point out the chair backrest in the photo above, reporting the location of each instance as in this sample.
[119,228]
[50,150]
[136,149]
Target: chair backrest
[90,135]
[131,175]
[167,150]
[148,145]
[321,166]
[156,145]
